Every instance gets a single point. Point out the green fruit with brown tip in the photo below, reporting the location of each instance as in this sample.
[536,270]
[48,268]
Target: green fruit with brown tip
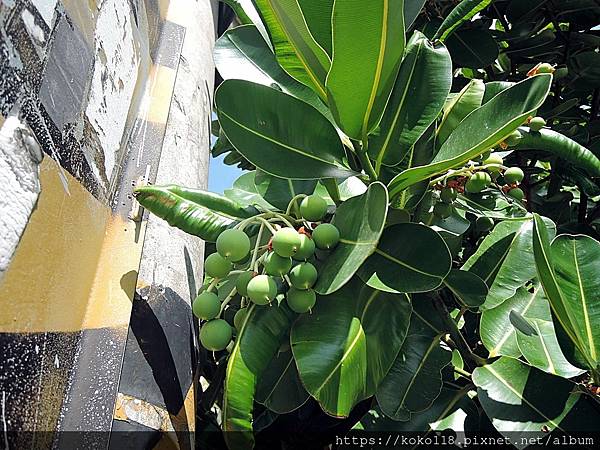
[206,306]
[303,276]
[306,248]
[301,301]
[286,242]
[326,236]
[442,210]
[478,182]
[448,195]
[496,159]
[276,265]
[233,245]
[545,68]
[238,319]
[513,175]
[216,266]
[516,193]
[313,208]
[484,224]
[513,138]
[215,335]
[536,124]
[241,284]
[262,289]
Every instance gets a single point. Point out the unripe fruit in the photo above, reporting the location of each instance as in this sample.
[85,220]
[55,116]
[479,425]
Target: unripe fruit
[206,306]
[494,158]
[513,175]
[301,301]
[326,236]
[536,124]
[286,242]
[545,68]
[276,265]
[484,224]
[442,210]
[241,284]
[478,182]
[448,195]
[306,249]
[303,276]
[233,245]
[513,138]
[238,319]
[216,266]
[262,289]
[215,335]
[516,193]
[313,208]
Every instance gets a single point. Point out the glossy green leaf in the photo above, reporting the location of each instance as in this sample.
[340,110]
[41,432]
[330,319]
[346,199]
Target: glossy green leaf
[342,351]
[500,116]
[279,387]
[255,346]
[350,187]
[360,221]
[459,107]
[279,191]
[474,49]
[521,399]
[418,96]
[318,18]
[409,258]
[464,11]
[367,49]
[562,147]
[470,290]
[244,192]
[412,9]
[242,53]
[415,379]
[504,260]
[278,133]
[196,212]
[494,88]
[295,47]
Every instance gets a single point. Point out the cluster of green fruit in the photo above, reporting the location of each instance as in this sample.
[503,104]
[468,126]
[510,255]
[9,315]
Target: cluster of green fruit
[286,257]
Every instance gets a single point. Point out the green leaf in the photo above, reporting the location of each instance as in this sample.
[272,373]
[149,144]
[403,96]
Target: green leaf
[248,15]
[459,107]
[350,187]
[412,9]
[504,260]
[470,290]
[494,88]
[560,146]
[279,134]
[318,18]
[418,96]
[497,333]
[474,49]
[464,11]
[410,257]
[415,379]
[521,399]
[501,115]
[279,387]
[342,351]
[279,191]
[242,54]
[367,49]
[296,49]
[255,346]
[196,212]
[360,221]
[244,192]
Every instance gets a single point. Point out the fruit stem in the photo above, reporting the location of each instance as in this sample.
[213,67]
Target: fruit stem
[365,162]
[293,204]
[210,287]
[257,246]
[227,300]
[462,372]
[465,170]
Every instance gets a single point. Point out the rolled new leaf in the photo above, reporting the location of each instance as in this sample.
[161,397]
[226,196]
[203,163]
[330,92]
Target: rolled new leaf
[464,11]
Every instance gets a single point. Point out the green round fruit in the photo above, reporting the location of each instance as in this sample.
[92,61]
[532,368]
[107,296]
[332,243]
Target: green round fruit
[536,124]
[216,266]
[513,138]
[484,224]
[241,284]
[233,245]
[478,182]
[206,306]
[313,208]
[545,68]
[326,236]
[276,265]
[301,301]
[494,158]
[303,276]
[306,248]
[448,195]
[238,319]
[215,335]
[516,193]
[262,289]
[286,242]
[513,175]
[442,210]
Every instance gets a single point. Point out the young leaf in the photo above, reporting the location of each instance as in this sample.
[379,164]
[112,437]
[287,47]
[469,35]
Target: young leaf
[367,50]
[459,107]
[464,11]
[278,133]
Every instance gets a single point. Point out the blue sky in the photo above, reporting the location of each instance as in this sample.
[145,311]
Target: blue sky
[221,176]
